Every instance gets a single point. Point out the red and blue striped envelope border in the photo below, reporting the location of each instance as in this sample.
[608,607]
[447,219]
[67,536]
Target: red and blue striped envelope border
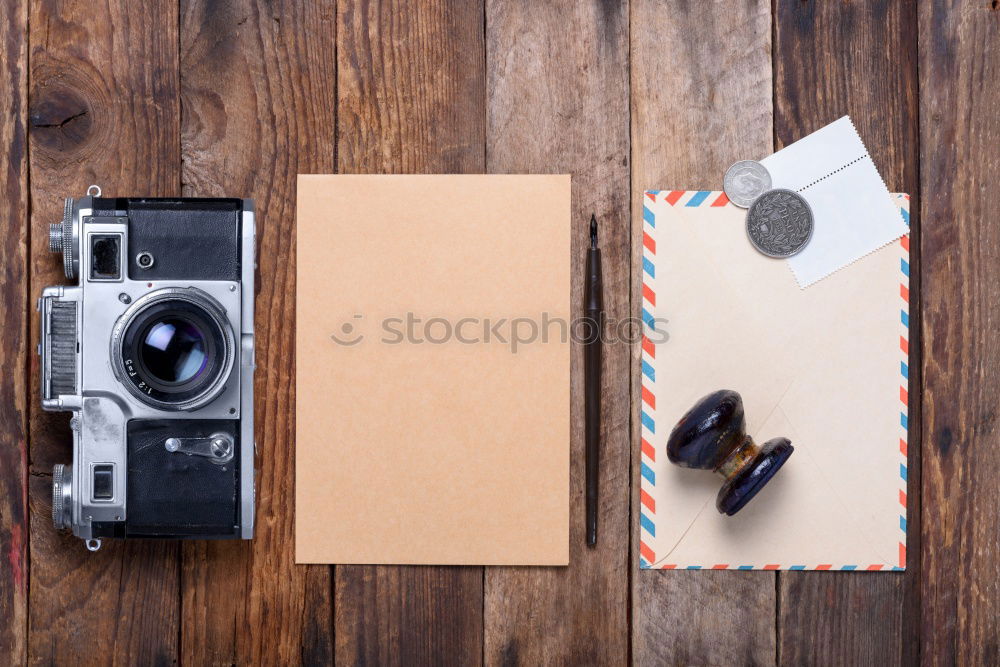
[647,456]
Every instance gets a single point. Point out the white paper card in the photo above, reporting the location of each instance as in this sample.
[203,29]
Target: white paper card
[853,211]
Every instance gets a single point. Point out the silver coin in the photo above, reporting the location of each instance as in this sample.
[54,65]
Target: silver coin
[745,181]
[780,223]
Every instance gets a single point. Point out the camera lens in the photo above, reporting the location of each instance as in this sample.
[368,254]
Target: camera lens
[174,350]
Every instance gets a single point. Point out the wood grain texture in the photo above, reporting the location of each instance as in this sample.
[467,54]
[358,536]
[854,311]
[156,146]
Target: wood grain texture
[100,112]
[13,345]
[247,134]
[409,615]
[410,99]
[832,59]
[557,85]
[959,139]
[203,97]
[410,94]
[701,100]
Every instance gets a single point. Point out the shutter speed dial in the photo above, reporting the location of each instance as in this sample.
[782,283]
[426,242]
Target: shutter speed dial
[62,493]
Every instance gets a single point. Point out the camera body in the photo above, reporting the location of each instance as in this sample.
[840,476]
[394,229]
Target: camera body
[153,353]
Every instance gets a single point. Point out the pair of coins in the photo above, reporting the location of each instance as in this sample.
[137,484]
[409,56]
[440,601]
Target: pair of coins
[779,221]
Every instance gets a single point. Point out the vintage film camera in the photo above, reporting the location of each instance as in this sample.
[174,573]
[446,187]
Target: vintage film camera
[153,353]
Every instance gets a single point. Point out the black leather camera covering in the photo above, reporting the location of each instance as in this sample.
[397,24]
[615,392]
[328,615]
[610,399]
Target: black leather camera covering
[170,494]
[189,239]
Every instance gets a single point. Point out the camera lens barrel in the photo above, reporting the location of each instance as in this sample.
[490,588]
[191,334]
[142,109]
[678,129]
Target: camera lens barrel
[173,348]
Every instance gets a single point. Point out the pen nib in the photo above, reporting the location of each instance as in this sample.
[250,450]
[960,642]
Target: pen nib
[593,231]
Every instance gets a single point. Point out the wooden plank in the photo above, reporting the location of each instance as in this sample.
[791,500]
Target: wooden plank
[258,89]
[557,82]
[409,615]
[410,99]
[701,100]
[959,126]
[13,347]
[824,68]
[98,114]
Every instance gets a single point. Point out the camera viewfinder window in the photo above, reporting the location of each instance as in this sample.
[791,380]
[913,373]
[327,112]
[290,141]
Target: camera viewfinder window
[105,257]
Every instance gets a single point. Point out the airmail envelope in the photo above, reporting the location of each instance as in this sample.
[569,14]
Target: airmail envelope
[825,367]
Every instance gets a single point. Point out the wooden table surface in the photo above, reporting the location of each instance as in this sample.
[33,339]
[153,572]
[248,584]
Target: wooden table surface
[236,97]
